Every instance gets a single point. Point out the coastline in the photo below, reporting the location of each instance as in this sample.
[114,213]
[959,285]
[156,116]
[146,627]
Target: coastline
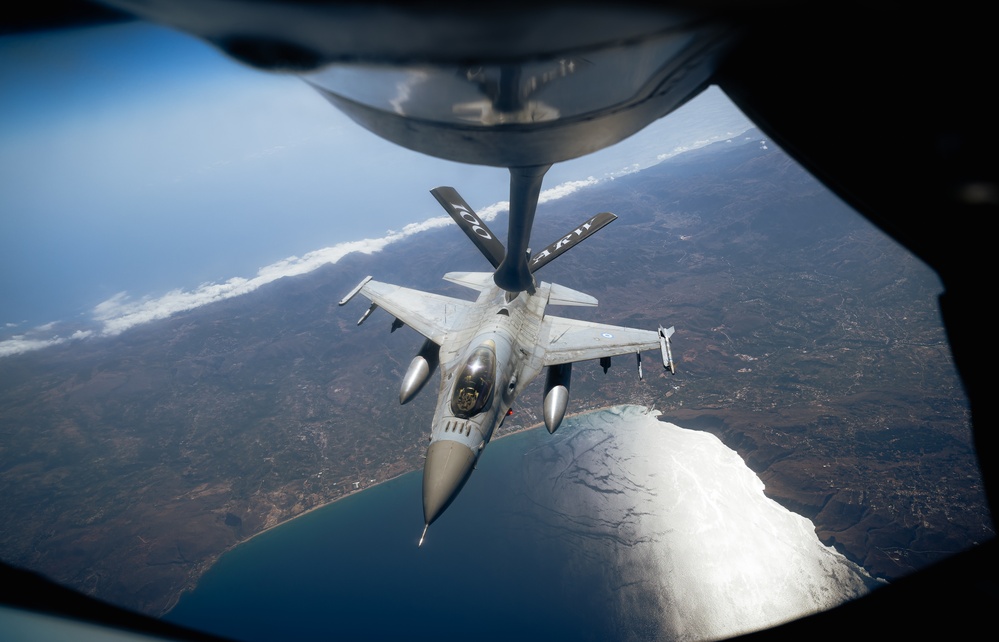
[208,563]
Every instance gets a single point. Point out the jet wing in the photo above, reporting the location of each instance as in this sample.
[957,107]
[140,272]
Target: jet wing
[432,315]
[570,340]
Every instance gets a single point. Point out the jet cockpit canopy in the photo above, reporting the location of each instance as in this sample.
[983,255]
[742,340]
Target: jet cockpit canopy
[473,389]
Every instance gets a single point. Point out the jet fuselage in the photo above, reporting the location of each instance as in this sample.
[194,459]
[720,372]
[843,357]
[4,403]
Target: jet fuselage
[510,330]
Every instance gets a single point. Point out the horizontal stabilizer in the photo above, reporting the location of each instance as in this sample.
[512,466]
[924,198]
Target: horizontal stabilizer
[573,238]
[470,224]
[561,295]
[475,280]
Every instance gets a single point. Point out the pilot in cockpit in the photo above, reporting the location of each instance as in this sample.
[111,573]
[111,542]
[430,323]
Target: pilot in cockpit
[473,389]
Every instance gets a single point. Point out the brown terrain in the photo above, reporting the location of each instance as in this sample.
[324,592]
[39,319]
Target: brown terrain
[806,340]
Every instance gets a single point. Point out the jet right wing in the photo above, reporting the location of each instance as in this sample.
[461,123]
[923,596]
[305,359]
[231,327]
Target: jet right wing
[571,340]
[432,315]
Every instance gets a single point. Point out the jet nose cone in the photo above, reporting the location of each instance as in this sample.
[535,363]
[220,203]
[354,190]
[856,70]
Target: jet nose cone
[445,472]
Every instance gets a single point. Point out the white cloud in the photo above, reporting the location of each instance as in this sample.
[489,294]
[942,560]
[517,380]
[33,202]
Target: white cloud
[20,343]
[563,190]
[119,313]
[490,212]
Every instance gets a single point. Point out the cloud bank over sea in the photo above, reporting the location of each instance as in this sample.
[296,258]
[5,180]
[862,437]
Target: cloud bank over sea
[122,312]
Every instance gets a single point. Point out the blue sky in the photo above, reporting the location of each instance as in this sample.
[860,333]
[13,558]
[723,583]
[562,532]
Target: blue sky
[143,172]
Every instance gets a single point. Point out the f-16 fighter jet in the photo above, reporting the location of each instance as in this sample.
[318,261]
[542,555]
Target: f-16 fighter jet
[490,349]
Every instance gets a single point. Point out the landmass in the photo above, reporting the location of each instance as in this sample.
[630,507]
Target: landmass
[806,340]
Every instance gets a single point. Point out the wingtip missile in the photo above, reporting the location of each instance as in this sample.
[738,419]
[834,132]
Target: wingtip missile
[354,292]
[423,536]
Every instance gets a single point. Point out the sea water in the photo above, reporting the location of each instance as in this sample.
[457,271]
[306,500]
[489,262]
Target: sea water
[352,570]
[617,527]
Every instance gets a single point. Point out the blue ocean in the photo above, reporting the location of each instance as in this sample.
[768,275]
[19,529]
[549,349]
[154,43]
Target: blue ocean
[352,570]
[618,527]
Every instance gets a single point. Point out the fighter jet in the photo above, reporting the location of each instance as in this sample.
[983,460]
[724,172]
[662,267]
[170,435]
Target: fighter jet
[490,349]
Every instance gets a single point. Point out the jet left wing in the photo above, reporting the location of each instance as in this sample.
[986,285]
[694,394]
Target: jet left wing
[432,315]
[570,340]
